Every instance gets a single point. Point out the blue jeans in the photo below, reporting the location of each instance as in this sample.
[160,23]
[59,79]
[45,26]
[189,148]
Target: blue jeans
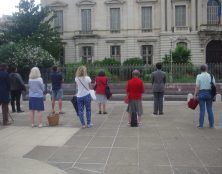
[204,97]
[84,101]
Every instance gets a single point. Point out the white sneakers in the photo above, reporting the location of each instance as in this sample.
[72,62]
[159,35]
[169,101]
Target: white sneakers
[40,125]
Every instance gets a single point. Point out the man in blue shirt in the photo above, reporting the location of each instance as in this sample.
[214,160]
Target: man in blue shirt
[57,91]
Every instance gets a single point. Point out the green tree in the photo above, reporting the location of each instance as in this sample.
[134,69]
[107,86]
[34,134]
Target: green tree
[26,56]
[179,55]
[32,24]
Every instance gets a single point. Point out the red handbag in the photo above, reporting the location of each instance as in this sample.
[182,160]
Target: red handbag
[126,99]
[192,103]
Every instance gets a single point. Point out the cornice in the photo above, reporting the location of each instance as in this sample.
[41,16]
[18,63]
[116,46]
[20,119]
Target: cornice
[86,3]
[145,1]
[58,4]
[108,2]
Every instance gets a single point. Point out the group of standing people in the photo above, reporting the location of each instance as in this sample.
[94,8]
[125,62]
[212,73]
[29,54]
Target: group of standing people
[11,88]
[202,93]
[12,85]
[83,86]
[135,89]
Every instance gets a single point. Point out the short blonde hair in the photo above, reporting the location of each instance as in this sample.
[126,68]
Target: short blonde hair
[81,71]
[34,73]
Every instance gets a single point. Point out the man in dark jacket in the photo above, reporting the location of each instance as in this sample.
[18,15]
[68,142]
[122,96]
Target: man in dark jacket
[4,92]
[16,87]
[57,91]
[158,79]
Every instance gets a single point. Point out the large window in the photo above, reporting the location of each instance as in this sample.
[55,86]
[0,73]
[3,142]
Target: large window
[115,52]
[146,19]
[213,12]
[86,54]
[58,21]
[115,20]
[86,20]
[182,44]
[147,54]
[180,16]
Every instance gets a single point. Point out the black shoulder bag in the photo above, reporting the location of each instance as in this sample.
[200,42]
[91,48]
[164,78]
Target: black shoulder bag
[213,88]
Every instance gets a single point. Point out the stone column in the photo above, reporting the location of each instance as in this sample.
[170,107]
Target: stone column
[200,10]
[162,11]
[193,15]
[169,15]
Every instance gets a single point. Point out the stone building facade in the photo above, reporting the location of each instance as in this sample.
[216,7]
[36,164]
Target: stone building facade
[122,29]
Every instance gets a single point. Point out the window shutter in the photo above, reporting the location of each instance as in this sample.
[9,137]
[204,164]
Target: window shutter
[180,16]
[146,18]
[58,21]
[115,19]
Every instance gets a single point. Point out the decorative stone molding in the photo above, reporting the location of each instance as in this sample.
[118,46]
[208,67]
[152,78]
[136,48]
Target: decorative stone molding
[86,3]
[147,40]
[114,2]
[115,41]
[58,4]
[145,1]
[206,36]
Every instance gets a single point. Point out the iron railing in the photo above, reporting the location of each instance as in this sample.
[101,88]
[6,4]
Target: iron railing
[181,73]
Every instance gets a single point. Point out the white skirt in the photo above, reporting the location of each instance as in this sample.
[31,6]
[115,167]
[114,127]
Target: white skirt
[100,98]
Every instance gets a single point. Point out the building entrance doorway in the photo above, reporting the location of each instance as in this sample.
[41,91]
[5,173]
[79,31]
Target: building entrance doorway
[214,52]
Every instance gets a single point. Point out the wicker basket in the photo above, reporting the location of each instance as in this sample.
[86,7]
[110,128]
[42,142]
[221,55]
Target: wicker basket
[53,119]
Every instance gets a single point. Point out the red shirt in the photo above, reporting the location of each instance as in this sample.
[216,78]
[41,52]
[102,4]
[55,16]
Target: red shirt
[135,88]
[101,82]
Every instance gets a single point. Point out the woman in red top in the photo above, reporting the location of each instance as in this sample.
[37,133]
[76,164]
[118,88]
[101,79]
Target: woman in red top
[101,83]
[134,90]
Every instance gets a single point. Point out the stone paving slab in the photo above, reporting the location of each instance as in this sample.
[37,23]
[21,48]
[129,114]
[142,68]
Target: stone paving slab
[169,144]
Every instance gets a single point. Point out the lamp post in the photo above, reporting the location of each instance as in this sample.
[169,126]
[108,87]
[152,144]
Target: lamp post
[171,60]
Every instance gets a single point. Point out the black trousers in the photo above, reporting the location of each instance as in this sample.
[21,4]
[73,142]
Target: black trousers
[4,112]
[15,97]
[158,102]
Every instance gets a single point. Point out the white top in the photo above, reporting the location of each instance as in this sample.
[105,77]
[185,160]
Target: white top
[203,81]
[82,91]
[36,87]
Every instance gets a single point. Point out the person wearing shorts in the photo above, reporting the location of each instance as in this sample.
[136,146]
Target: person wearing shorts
[57,91]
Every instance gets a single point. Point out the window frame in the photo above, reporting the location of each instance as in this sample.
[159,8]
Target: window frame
[82,30]
[187,24]
[115,55]
[88,57]
[59,27]
[110,19]
[147,58]
[216,20]
[141,15]
[183,44]
[175,17]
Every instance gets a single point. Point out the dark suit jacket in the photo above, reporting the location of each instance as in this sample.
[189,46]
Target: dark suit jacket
[158,80]
[4,87]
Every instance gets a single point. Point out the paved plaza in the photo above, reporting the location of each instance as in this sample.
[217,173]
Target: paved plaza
[169,144]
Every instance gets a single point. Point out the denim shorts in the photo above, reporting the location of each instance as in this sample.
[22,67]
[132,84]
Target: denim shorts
[57,94]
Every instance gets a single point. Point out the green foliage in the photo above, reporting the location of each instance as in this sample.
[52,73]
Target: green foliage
[133,61]
[26,56]
[94,72]
[32,24]
[6,52]
[107,62]
[110,61]
[97,63]
[179,55]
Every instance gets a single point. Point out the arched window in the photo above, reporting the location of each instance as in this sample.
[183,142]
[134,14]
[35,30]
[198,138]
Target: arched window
[213,12]
[182,44]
